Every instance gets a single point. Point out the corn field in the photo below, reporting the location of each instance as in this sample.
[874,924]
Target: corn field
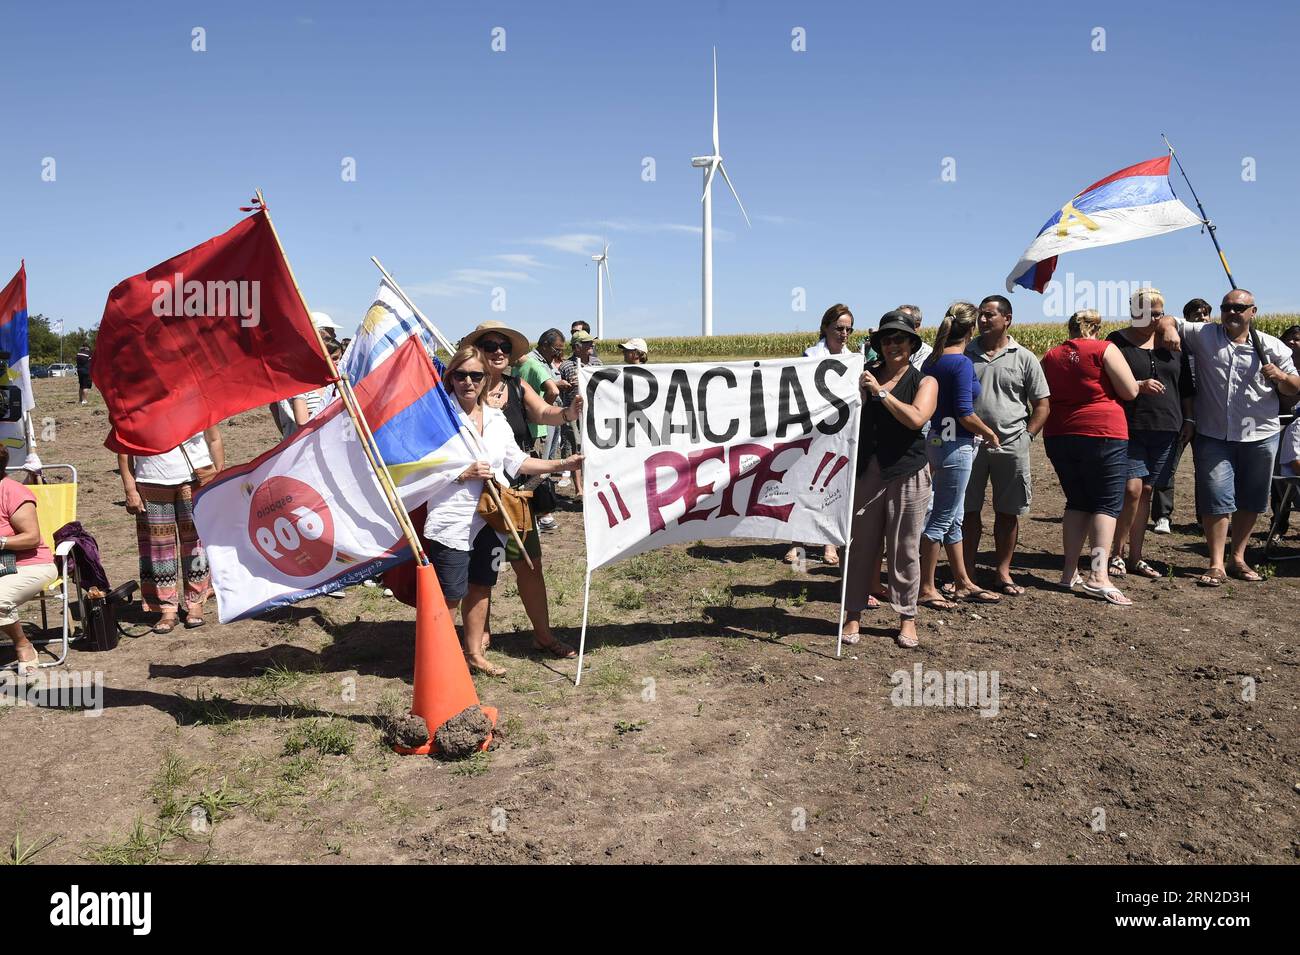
[1037,338]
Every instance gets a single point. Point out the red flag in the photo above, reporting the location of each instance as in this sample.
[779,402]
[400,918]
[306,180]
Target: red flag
[203,336]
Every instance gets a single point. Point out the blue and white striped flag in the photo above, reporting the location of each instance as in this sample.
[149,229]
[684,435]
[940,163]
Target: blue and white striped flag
[389,321]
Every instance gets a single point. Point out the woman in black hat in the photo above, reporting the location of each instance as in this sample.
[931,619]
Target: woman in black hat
[893,482]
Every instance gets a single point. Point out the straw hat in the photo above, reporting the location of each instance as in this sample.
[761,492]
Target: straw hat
[517,340]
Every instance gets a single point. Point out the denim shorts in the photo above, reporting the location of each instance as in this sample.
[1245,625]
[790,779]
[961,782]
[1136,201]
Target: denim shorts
[950,467]
[456,569]
[1151,456]
[1233,476]
[1092,471]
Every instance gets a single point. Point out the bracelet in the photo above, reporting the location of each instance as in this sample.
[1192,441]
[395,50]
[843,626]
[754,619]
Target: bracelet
[3,541]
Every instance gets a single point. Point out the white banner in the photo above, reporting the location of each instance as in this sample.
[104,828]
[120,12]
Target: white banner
[305,518]
[759,449]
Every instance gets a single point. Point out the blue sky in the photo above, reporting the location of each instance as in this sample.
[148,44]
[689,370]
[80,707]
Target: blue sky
[478,169]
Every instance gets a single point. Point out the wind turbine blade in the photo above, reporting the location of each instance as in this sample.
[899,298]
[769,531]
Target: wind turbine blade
[708,180]
[609,279]
[715,101]
[736,194]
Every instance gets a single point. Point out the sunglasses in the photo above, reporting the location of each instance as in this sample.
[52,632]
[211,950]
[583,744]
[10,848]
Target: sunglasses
[492,346]
[1236,308]
[474,376]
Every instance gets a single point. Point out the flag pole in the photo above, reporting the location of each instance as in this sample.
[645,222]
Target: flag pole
[586,556]
[1204,218]
[354,412]
[477,447]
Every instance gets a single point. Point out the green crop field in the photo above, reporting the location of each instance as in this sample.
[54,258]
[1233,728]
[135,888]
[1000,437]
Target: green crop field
[1038,338]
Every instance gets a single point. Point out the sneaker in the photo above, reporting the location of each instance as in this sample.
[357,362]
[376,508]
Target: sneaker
[338,594]
[1162,526]
[546,523]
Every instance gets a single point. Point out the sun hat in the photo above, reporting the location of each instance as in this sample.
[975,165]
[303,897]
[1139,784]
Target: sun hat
[322,320]
[635,344]
[517,339]
[580,338]
[895,321]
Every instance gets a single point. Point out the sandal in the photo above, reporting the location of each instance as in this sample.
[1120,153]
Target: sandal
[937,603]
[856,635]
[1143,569]
[980,597]
[907,642]
[1008,589]
[1212,578]
[1245,572]
[485,668]
[1111,595]
[791,556]
[1117,567]
[556,648]
[873,602]
[831,557]
[27,667]
[165,625]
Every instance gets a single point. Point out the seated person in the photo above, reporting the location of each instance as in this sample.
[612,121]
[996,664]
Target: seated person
[34,570]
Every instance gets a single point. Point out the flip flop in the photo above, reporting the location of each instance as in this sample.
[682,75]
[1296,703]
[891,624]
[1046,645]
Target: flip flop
[937,603]
[1245,573]
[1008,589]
[1117,567]
[1143,569]
[873,602]
[980,597]
[1111,595]
[1212,578]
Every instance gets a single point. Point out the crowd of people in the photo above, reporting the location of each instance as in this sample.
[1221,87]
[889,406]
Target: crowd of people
[1114,415]
[939,425]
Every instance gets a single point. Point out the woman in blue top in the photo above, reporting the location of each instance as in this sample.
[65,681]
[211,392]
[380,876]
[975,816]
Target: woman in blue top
[951,449]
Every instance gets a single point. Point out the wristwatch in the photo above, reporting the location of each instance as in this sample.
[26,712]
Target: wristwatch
[882,394]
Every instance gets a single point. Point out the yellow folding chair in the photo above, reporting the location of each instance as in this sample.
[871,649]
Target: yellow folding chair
[56,505]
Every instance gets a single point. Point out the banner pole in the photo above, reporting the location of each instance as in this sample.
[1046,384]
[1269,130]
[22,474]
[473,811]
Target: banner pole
[848,538]
[371,450]
[582,638]
[1210,226]
[477,447]
[415,309]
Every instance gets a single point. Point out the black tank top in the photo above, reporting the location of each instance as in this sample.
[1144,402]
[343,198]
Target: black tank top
[899,449]
[513,409]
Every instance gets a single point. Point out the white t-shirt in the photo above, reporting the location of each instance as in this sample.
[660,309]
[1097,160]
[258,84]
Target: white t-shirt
[171,467]
[1289,452]
[289,427]
[453,518]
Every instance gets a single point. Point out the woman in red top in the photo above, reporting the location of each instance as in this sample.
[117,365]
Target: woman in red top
[20,537]
[1086,439]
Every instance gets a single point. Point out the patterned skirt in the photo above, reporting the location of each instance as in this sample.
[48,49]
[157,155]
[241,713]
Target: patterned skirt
[170,550]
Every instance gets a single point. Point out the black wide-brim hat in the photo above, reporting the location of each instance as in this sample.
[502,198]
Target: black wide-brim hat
[895,322]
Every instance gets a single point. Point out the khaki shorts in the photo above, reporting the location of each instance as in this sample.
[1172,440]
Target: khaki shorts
[21,586]
[1008,468]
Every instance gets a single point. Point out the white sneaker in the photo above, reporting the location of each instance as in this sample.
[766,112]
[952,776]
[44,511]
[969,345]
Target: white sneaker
[546,523]
[337,594]
[1162,526]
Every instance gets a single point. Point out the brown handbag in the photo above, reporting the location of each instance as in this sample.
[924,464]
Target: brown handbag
[516,503]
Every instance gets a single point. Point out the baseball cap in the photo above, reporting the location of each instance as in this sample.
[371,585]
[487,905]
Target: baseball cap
[635,344]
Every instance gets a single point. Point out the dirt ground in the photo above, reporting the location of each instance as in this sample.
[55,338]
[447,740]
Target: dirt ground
[713,724]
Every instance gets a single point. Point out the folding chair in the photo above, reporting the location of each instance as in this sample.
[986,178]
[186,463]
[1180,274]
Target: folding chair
[56,505]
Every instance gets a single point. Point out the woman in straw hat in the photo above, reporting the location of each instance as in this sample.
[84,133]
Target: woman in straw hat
[501,347]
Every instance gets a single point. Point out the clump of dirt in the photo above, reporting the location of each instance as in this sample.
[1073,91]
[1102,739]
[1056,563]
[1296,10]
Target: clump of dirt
[409,731]
[464,734]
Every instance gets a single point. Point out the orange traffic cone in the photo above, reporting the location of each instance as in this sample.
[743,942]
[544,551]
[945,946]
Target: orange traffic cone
[443,686]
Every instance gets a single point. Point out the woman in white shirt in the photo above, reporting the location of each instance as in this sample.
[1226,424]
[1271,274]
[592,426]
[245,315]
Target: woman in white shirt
[160,493]
[465,551]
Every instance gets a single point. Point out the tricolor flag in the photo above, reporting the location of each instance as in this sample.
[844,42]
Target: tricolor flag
[1134,203]
[13,334]
[309,516]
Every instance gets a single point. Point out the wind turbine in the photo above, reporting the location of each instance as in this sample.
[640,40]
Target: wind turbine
[710,164]
[602,265]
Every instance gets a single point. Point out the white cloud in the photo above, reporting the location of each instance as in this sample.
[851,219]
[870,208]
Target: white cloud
[576,243]
[468,282]
[521,260]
